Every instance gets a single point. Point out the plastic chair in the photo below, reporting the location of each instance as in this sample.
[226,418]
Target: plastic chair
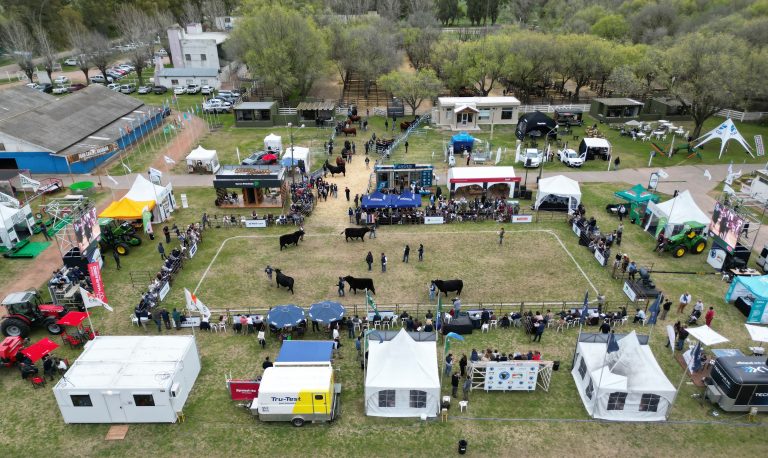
[37,381]
[485,327]
[377,324]
[223,326]
[134,319]
[463,406]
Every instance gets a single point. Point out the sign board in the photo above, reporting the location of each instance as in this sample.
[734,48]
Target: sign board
[426,178]
[191,322]
[576,230]
[716,257]
[662,174]
[255,223]
[600,258]
[92,153]
[759,146]
[631,294]
[243,390]
[511,376]
[184,201]
[404,166]
[433,220]
[164,290]
[94,271]
[192,251]
[653,182]
[522,218]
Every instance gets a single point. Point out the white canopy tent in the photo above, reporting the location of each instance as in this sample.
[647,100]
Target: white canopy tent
[559,186]
[625,385]
[706,335]
[201,159]
[757,333]
[402,378]
[299,154]
[144,190]
[725,131]
[273,142]
[677,212]
[13,220]
[485,177]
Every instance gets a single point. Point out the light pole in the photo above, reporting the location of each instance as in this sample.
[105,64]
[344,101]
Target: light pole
[290,133]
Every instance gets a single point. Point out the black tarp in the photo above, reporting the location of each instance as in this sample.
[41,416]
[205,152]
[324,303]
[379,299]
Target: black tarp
[535,124]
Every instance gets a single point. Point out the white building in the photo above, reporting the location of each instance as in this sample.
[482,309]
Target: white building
[171,77]
[225,22]
[129,379]
[467,113]
[193,48]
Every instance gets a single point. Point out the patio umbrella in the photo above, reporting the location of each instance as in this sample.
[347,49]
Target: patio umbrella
[283,316]
[326,312]
[633,123]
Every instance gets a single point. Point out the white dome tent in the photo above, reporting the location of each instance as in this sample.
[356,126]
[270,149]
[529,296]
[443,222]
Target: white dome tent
[203,160]
[559,186]
[677,212]
[273,143]
[295,153]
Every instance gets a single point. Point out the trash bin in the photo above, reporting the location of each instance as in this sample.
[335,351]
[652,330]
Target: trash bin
[462,447]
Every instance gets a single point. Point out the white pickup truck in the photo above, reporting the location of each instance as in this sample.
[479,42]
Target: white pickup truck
[217,106]
[571,158]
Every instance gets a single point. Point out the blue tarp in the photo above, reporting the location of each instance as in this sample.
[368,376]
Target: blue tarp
[406,200]
[462,141]
[305,351]
[375,200]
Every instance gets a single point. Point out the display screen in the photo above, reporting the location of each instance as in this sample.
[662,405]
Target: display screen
[86,230]
[726,225]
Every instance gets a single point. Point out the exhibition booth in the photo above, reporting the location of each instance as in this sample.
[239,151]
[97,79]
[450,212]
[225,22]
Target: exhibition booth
[143,195]
[673,214]
[401,176]
[201,160]
[637,197]
[15,224]
[483,179]
[750,296]
[558,193]
[260,186]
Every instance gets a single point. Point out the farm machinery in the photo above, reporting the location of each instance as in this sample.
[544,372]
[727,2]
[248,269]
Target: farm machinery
[12,350]
[26,310]
[118,236]
[689,240]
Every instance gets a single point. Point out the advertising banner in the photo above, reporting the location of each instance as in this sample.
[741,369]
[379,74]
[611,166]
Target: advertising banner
[629,292]
[255,223]
[726,225]
[600,258]
[243,390]
[522,218]
[433,220]
[511,376]
[94,271]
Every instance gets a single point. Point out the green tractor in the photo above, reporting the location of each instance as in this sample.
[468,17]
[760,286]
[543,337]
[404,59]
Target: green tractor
[118,236]
[690,239]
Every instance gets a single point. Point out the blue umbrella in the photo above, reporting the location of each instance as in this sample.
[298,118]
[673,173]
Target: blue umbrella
[326,312]
[283,316]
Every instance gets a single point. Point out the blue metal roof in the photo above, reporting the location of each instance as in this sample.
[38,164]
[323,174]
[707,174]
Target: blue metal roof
[305,351]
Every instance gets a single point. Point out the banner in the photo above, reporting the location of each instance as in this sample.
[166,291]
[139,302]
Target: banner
[90,300]
[759,147]
[29,183]
[255,223]
[511,376]
[576,230]
[192,251]
[146,219]
[522,218]
[94,271]
[164,291]
[671,337]
[600,258]
[196,305]
[243,390]
[726,225]
[631,294]
[433,220]
[184,202]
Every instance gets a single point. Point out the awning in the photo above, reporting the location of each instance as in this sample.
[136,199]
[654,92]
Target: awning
[706,335]
[320,106]
[127,209]
[757,333]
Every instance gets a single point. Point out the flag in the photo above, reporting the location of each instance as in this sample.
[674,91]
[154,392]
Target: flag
[585,309]
[728,190]
[27,182]
[662,174]
[613,346]
[90,300]
[196,305]
[707,175]
[448,337]
[169,161]
[654,310]
[695,365]
[237,149]
[369,302]
[112,180]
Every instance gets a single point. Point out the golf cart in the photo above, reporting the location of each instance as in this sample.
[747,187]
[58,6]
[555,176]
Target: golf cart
[117,236]
[26,310]
[690,239]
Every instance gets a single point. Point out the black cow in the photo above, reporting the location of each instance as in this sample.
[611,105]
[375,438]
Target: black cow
[288,239]
[354,233]
[334,169]
[444,286]
[359,283]
[284,280]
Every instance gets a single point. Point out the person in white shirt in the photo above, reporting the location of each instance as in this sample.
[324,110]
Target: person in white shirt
[699,306]
[639,316]
[335,333]
[685,299]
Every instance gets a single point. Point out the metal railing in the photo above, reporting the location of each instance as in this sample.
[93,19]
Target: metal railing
[742,115]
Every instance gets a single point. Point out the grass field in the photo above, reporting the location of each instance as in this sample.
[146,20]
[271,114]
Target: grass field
[531,266]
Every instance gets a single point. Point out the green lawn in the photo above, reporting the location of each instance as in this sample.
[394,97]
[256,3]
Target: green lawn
[530,267]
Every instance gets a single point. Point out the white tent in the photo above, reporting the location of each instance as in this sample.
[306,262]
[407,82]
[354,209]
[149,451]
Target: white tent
[299,154]
[757,333]
[201,159]
[559,186]
[706,335]
[144,190]
[485,177]
[402,379]
[626,385]
[677,212]
[273,142]
[129,379]
[725,131]
[13,220]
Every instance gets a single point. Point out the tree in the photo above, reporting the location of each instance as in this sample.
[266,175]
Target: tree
[102,53]
[419,36]
[445,61]
[141,29]
[45,49]
[707,73]
[531,59]
[623,81]
[280,47]
[611,27]
[377,54]
[447,11]
[84,44]
[412,87]
[485,61]
[389,9]
[475,11]
[21,45]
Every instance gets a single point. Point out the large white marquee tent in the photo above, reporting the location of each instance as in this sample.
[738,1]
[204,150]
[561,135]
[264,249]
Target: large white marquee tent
[677,212]
[560,186]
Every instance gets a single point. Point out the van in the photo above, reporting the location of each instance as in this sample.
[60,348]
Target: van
[128,88]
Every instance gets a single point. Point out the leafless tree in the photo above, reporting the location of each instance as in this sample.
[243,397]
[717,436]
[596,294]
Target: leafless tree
[20,43]
[102,53]
[45,48]
[211,9]
[190,14]
[141,30]
[420,6]
[389,9]
[84,44]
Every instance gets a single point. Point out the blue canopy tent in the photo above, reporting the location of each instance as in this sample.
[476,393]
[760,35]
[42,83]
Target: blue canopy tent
[284,316]
[750,296]
[406,200]
[375,200]
[326,312]
[305,351]
[462,141]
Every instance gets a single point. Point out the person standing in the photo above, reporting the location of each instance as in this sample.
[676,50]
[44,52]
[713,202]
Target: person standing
[448,364]
[456,307]
[383,263]
[501,235]
[350,212]
[421,252]
[117,258]
[406,253]
[685,299]
[341,287]
[167,234]
[369,261]
[386,125]
[266,364]
[157,318]
[166,318]
[269,271]
[455,384]
[681,336]
[432,290]
[539,330]
[372,233]
[406,147]
[622,212]
[665,309]
[357,200]
[44,230]
[469,158]
[161,250]
[346,192]
[616,163]
[709,316]
[467,386]
[619,233]
[176,315]
[367,162]
[463,365]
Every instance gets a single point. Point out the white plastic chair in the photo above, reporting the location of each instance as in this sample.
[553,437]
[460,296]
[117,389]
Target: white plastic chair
[484,327]
[223,326]
[134,319]
[463,406]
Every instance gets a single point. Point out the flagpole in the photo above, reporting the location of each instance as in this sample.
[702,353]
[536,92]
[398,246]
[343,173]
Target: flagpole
[596,391]
[680,384]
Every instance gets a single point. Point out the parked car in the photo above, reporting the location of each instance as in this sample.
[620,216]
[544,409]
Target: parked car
[206,90]
[61,90]
[157,89]
[144,89]
[114,86]
[100,79]
[71,61]
[45,87]
[193,89]
[76,87]
[179,90]
[217,106]
[128,88]
[161,52]
[571,158]
[532,158]
[61,80]
[32,85]
[127,67]
[257,158]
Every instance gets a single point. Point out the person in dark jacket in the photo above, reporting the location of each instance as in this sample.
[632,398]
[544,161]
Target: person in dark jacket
[455,384]
[167,234]
[463,365]
[166,318]
[369,260]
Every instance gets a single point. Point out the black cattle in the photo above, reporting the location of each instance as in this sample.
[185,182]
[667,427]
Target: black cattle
[288,239]
[334,169]
[444,286]
[284,280]
[359,283]
[355,232]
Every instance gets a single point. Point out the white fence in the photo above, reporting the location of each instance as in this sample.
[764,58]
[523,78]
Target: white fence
[286,111]
[742,115]
[552,108]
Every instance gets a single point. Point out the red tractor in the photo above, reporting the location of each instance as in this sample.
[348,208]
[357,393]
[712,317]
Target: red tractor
[12,350]
[25,311]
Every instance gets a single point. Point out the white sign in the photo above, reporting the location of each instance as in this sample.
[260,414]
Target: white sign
[511,376]
[192,251]
[653,183]
[716,258]
[671,337]
[29,183]
[631,294]
[433,220]
[600,258]
[191,322]
[522,218]
[184,202]
[576,230]
[759,147]
[164,290]
[11,200]
[255,223]
[662,174]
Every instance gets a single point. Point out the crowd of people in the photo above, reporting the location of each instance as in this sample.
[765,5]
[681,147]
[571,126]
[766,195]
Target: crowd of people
[477,209]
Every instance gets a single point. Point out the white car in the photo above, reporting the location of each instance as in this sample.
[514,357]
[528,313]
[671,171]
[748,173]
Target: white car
[61,90]
[179,90]
[100,79]
[114,86]
[217,106]
[70,61]
[571,158]
[193,89]
[532,158]
[206,90]
[61,80]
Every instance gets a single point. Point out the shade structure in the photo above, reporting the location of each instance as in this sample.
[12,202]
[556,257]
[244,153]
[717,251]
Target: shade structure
[38,350]
[283,316]
[637,193]
[559,186]
[633,123]
[406,200]
[127,209]
[706,335]
[305,351]
[73,318]
[757,333]
[326,312]
[292,156]
[375,200]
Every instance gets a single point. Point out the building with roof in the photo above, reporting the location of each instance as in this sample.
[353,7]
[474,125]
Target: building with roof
[193,48]
[72,134]
[255,114]
[129,379]
[467,113]
[171,77]
[615,109]
[316,111]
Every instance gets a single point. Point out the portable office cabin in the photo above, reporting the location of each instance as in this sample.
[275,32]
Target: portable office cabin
[129,379]
[297,394]
[739,383]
